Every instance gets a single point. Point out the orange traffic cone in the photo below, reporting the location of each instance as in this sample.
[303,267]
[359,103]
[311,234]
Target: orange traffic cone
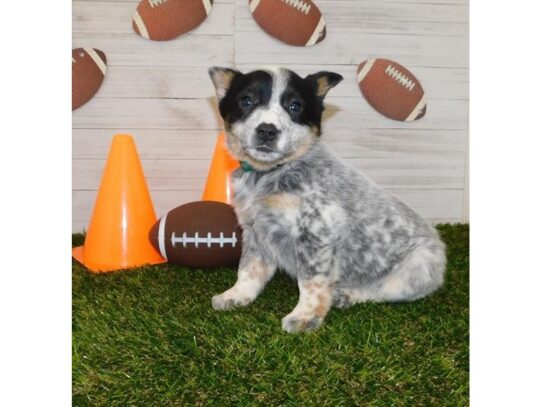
[123,214]
[218,186]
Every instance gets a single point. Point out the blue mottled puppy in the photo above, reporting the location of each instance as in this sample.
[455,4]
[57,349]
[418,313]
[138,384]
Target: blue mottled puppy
[343,238]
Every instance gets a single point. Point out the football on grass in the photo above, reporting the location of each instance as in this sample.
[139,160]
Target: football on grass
[295,22]
[88,72]
[391,89]
[162,20]
[202,234]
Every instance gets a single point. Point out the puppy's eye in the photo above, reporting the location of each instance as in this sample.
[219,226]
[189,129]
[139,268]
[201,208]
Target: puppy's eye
[246,101]
[295,106]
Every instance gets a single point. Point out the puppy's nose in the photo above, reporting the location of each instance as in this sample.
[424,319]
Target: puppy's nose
[267,132]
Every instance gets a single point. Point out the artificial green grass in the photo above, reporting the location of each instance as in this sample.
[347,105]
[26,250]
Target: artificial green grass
[149,337]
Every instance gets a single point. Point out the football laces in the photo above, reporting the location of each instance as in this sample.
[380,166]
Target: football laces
[400,77]
[299,5]
[206,240]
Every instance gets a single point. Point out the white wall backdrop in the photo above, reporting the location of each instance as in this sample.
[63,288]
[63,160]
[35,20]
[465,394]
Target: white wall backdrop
[160,93]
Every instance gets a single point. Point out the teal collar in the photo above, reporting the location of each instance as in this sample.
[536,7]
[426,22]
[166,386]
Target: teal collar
[246,167]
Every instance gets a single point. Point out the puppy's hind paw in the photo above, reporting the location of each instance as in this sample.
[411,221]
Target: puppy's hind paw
[294,323]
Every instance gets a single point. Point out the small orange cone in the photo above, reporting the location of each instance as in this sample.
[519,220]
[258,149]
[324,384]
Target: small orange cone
[123,214]
[218,186]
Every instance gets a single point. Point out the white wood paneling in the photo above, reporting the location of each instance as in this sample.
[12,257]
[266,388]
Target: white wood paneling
[153,144]
[88,17]
[381,17]
[412,50]
[190,82]
[148,114]
[132,50]
[160,93]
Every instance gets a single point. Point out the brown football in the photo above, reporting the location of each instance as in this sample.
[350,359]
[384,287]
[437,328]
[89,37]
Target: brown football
[203,234]
[295,22]
[391,89]
[163,20]
[89,66]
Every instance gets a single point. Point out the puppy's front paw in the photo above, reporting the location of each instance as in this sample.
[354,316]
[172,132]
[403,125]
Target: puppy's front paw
[229,299]
[297,323]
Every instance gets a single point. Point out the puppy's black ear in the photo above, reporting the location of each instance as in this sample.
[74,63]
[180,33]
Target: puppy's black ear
[222,78]
[322,82]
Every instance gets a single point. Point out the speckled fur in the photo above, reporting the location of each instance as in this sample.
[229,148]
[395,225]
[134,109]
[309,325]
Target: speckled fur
[343,238]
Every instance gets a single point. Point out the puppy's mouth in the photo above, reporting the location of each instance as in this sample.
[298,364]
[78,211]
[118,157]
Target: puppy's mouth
[264,149]
[263,153]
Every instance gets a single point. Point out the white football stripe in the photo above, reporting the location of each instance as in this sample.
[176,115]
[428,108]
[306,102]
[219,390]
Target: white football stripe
[162,236]
[365,70]
[141,26]
[207,5]
[253,5]
[419,107]
[316,33]
[97,60]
